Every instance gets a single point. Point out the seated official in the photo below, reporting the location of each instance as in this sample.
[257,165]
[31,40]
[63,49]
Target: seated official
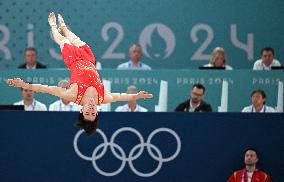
[31,62]
[135,55]
[218,59]
[62,104]
[131,106]
[195,103]
[258,100]
[267,60]
[29,101]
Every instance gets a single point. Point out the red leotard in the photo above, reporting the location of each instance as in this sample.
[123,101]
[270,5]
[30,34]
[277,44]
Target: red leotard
[81,62]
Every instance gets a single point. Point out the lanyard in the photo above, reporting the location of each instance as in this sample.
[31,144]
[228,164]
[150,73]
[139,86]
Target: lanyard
[34,104]
[61,107]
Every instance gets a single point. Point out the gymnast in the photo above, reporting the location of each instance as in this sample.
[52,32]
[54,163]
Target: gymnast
[85,88]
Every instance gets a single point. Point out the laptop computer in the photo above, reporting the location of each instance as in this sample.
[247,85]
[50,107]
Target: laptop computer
[12,107]
[277,67]
[211,68]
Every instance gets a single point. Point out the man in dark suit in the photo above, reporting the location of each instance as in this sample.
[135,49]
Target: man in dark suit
[195,104]
[30,55]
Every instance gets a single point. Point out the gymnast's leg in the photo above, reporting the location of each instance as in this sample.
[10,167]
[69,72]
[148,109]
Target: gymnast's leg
[74,39]
[58,38]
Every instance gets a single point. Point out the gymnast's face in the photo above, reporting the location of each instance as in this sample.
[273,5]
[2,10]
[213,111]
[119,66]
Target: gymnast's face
[89,110]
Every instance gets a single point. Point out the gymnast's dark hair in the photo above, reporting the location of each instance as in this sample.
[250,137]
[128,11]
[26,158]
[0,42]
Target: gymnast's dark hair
[89,126]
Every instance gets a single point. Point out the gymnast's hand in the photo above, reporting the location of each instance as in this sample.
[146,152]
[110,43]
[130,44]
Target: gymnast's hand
[17,82]
[144,95]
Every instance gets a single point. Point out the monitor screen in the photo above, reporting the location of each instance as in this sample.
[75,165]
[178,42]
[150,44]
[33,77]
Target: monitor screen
[12,107]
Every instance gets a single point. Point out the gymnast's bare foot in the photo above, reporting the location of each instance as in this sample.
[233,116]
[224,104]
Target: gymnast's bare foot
[52,19]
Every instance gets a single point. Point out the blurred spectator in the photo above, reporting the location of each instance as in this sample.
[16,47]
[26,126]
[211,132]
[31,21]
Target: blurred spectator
[135,54]
[131,106]
[98,65]
[258,98]
[218,59]
[250,173]
[62,104]
[195,104]
[267,60]
[31,62]
[29,101]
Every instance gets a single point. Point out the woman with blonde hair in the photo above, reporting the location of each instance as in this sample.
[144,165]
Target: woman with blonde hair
[218,59]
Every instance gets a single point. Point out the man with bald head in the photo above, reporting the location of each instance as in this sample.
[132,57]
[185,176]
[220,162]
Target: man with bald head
[131,106]
[61,104]
[135,55]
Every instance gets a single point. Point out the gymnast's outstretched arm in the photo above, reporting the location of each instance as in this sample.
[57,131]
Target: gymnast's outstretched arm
[53,90]
[114,97]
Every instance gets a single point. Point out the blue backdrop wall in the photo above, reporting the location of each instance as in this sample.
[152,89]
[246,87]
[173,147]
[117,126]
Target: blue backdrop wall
[173,34]
[199,147]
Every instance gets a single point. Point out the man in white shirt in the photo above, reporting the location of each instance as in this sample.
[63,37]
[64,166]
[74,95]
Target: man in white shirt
[267,60]
[61,104]
[135,54]
[30,103]
[131,106]
[258,103]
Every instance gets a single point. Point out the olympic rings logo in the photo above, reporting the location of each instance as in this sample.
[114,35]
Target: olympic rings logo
[121,155]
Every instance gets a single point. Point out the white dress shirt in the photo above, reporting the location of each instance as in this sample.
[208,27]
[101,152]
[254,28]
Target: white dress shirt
[34,67]
[259,65]
[35,106]
[263,109]
[125,108]
[130,66]
[60,106]
[191,108]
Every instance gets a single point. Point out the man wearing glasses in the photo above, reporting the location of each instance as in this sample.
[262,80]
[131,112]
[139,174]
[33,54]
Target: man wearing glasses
[195,103]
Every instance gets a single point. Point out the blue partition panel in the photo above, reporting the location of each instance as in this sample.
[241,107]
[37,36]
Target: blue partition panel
[168,147]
